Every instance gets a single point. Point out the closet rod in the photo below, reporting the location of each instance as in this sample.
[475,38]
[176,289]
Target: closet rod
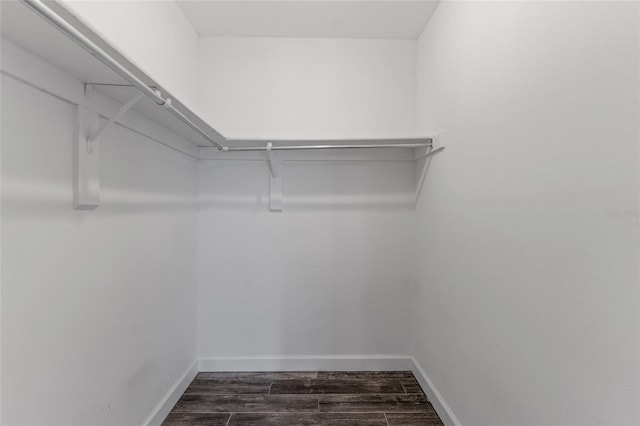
[304,147]
[84,42]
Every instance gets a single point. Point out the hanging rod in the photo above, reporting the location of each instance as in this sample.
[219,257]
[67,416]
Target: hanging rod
[334,146]
[95,50]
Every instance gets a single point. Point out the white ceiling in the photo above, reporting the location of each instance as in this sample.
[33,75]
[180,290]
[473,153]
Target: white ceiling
[397,19]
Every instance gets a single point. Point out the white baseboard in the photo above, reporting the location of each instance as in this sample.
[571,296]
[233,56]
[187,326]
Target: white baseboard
[305,363]
[439,404]
[165,405]
[308,363]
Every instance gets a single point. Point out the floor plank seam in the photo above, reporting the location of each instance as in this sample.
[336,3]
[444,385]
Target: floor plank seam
[354,397]
[268,412]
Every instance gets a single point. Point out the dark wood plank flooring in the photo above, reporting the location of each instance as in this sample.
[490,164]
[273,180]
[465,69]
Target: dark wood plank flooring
[332,398]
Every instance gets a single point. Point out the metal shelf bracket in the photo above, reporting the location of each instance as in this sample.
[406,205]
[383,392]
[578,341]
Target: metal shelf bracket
[126,107]
[86,193]
[422,158]
[275,181]
[86,162]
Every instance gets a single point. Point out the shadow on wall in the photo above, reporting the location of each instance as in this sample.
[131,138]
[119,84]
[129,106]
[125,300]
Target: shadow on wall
[309,185]
[24,199]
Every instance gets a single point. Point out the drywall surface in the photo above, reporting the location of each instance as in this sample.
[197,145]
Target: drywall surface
[98,307]
[288,87]
[529,298]
[155,35]
[330,275]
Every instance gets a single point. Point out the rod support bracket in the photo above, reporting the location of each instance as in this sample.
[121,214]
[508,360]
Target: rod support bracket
[434,146]
[273,169]
[126,107]
[86,161]
[275,181]
[86,186]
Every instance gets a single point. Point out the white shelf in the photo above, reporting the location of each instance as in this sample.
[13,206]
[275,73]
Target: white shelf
[25,28]
[59,41]
[30,31]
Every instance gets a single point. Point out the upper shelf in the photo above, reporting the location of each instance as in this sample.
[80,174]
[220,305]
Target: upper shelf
[53,33]
[27,29]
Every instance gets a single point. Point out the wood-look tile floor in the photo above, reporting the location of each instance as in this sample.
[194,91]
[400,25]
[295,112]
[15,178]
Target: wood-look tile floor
[371,398]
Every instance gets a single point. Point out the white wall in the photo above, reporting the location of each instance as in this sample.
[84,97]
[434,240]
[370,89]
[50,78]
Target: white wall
[98,307]
[529,300]
[288,87]
[155,35]
[330,275]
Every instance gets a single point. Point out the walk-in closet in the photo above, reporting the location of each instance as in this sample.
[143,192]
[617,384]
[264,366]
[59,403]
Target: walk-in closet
[317,212]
